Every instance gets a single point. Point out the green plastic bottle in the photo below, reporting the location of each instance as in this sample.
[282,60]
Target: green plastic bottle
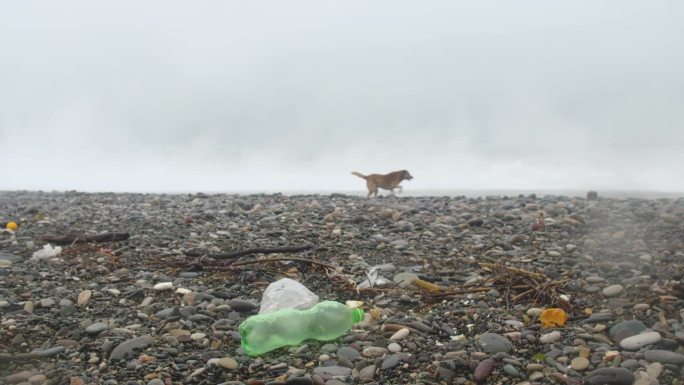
[325,321]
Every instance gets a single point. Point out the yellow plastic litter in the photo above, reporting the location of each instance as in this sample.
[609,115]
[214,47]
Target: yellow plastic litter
[11,226]
[553,317]
[429,286]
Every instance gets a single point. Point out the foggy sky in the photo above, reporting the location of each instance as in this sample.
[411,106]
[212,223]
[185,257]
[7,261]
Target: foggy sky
[293,95]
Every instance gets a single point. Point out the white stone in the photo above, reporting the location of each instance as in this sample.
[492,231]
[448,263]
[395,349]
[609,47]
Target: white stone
[163,286]
[394,347]
[401,333]
[197,336]
[47,302]
[550,338]
[182,290]
[640,340]
[612,290]
[84,297]
[534,311]
[374,351]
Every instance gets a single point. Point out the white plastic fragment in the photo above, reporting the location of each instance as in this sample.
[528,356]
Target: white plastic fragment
[46,252]
[286,293]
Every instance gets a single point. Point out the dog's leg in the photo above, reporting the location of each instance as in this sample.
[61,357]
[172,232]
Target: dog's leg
[401,189]
[372,188]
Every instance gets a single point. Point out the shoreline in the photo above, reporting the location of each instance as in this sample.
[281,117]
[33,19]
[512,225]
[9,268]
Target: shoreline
[475,193]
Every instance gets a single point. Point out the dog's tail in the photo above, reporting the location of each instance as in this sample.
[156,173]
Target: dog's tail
[358,174]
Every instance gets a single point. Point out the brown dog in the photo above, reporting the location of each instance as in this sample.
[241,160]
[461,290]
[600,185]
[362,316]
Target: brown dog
[386,182]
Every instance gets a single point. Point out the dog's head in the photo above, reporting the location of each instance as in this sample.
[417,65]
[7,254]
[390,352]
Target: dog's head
[405,175]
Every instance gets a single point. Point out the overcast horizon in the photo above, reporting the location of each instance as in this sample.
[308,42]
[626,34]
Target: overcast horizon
[275,96]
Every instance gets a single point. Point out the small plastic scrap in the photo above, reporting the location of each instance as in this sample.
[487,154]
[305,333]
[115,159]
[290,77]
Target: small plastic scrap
[286,293]
[553,317]
[46,252]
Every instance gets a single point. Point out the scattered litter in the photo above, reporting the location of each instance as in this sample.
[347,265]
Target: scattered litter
[286,293]
[46,252]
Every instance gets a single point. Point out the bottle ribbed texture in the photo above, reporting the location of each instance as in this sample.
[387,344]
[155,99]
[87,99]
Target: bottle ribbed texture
[325,321]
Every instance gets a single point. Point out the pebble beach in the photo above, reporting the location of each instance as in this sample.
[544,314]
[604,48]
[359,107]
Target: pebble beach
[150,289]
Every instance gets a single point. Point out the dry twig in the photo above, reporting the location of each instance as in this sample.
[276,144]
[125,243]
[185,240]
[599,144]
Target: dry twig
[259,250]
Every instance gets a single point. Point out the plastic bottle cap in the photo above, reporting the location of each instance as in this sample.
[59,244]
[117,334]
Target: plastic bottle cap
[359,315]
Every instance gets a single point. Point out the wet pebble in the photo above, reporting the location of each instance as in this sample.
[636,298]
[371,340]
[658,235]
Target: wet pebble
[609,376]
[97,328]
[612,290]
[494,343]
[483,369]
[640,340]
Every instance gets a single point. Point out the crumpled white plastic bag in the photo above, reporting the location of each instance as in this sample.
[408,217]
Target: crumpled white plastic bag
[46,252]
[286,293]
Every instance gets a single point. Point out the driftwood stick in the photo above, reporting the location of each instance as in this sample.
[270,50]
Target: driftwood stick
[85,238]
[259,250]
[284,259]
[515,271]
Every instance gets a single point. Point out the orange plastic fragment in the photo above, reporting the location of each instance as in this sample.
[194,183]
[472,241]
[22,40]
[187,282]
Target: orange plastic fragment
[553,317]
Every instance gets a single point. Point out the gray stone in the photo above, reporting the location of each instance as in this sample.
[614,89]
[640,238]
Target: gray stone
[10,257]
[333,371]
[127,347]
[18,377]
[511,370]
[47,302]
[96,328]
[330,382]
[630,364]
[495,343]
[626,329]
[391,361]
[609,376]
[301,380]
[446,374]
[349,353]
[242,305]
[664,357]
[612,290]
[329,348]
[165,313]
[367,373]
[53,351]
